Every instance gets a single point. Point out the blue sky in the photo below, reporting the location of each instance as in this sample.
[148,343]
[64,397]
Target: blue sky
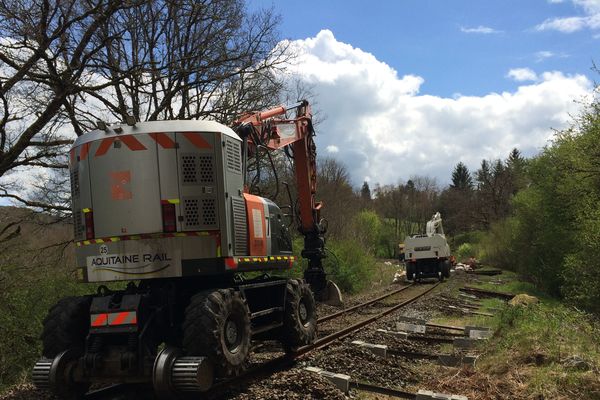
[424,37]
[410,88]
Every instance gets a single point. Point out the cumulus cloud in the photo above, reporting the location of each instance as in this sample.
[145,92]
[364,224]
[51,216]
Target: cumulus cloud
[590,19]
[522,74]
[332,149]
[486,30]
[385,130]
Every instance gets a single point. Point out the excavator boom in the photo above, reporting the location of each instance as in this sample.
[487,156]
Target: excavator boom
[273,130]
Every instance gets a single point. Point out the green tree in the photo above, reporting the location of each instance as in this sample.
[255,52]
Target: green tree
[461,177]
[365,192]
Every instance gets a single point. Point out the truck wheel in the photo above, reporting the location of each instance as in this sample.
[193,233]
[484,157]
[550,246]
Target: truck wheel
[217,325]
[410,271]
[300,317]
[440,271]
[66,326]
[446,269]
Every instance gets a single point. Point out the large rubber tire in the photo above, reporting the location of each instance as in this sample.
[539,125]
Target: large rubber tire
[66,326]
[446,269]
[300,316]
[410,271]
[217,325]
[440,271]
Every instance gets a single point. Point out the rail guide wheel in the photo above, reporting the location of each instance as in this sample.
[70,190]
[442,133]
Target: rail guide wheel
[57,375]
[174,374]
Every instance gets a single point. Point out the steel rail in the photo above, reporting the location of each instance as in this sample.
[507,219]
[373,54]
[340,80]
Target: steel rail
[118,389]
[321,342]
[281,362]
[367,303]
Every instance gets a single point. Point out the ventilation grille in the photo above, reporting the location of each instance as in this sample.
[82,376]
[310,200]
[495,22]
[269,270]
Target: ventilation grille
[77,224]
[75,182]
[239,226]
[191,212]
[197,169]
[200,213]
[234,156]
[206,170]
[189,166]
[209,212]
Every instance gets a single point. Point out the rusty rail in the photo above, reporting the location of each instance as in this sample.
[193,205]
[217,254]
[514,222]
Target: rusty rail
[367,303]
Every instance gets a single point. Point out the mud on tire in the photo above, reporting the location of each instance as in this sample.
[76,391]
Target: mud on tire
[300,316]
[66,326]
[217,325]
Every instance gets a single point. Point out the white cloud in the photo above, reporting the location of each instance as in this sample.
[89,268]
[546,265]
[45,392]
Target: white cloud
[486,30]
[332,149]
[545,54]
[590,19]
[384,129]
[522,74]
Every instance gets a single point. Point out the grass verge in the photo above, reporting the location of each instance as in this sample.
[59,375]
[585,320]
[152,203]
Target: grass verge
[544,351]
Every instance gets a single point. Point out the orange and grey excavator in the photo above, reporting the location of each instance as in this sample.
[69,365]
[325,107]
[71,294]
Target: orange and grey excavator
[268,130]
[164,207]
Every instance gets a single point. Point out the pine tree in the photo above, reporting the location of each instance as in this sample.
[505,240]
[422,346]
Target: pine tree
[461,177]
[365,191]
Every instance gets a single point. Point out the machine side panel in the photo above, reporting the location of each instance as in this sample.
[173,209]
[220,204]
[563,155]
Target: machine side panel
[81,198]
[235,233]
[168,171]
[198,187]
[124,178]
[257,227]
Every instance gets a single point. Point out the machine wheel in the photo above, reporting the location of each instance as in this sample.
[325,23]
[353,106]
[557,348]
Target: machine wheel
[446,269]
[217,325]
[410,271]
[66,326]
[300,317]
[440,271]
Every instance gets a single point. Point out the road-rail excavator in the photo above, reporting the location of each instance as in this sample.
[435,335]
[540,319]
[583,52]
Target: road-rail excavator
[165,224]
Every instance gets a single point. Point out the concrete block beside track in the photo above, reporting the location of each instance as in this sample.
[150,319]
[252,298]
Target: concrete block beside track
[377,349]
[478,332]
[411,325]
[341,381]
[429,395]
[403,335]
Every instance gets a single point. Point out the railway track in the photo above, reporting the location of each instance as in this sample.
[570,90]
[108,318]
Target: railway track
[287,360]
[279,363]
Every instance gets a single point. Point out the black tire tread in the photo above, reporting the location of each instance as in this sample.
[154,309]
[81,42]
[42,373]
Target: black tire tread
[205,317]
[294,334]
[66,325]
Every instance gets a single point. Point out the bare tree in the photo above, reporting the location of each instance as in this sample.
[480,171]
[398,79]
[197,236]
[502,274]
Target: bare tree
[66,64]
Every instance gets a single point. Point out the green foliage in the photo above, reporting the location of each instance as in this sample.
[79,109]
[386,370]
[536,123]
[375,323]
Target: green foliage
[21,323]
[553,235]
[366,229]
[350,265]
[464,251]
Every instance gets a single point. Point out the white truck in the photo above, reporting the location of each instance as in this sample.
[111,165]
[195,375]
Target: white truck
[428,255]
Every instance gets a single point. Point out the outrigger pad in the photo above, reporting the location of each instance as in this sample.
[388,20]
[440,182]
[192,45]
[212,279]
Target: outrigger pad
[332,295]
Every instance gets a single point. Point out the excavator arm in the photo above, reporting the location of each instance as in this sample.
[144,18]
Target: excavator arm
[271,129]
